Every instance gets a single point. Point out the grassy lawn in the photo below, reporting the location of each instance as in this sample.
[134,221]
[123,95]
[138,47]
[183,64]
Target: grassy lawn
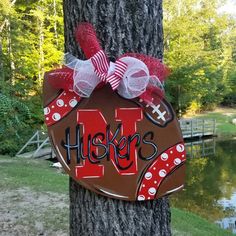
[37,199]
[34,198]
[223,117]
[33,173]
[186,224]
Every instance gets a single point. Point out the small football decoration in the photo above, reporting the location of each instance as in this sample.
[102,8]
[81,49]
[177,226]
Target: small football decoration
[110,125]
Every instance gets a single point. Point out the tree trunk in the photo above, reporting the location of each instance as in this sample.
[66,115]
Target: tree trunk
[41,42]
[10,52]
[55,21]
[2,74]
[122,26]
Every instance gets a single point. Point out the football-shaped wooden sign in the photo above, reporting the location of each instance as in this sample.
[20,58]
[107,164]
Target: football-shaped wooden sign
[124,148]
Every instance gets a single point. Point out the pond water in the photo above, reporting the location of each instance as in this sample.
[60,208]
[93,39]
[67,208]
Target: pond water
[210,189]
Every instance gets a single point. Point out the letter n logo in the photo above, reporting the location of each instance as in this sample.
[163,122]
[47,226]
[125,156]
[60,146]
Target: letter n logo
[120,146]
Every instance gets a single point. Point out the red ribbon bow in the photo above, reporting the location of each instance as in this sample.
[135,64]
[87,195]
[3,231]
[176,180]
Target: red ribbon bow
[113,73]
[105,71]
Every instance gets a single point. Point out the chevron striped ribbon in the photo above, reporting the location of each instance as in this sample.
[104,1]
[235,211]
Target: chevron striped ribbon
[102,69]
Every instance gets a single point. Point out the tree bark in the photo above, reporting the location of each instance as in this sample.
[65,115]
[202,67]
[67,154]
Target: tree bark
[55,21]
[10,52]
[41,42]
[122,26]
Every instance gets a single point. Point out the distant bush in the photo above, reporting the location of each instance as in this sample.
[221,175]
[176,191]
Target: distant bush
[230,100]
[20,117]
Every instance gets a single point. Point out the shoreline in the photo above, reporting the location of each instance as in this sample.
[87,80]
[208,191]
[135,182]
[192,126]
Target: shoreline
[223,116]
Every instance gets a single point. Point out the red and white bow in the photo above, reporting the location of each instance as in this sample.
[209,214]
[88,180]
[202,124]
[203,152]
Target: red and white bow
[112,73]
[128,75]
[132,75]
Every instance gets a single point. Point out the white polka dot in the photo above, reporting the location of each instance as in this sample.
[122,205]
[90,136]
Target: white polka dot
[47,118]
[171,152]
[154,168]
[143,185]
[60,103]
[148,175]
[180,148]
[152,191]
[183,155]
[56,116]
[52,106]
[65,105]
[162,173]
[73,102]
[155,182]
[64,94]
[167,165]
[46,111]
[164,156]
[177,161]
[149,198]
[141,198]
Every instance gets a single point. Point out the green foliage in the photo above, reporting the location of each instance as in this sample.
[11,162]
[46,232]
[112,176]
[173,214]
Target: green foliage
[198,50]
[15,118]
[20,114]
[13,114]
[36,37]
[31,42]
[230,99]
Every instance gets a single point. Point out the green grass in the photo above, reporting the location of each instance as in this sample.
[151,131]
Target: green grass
[38,176]
[224,126]
[186,223]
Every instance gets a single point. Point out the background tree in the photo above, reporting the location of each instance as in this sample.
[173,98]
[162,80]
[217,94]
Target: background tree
[31,42]
[199,45]
[197,51]
[122,26]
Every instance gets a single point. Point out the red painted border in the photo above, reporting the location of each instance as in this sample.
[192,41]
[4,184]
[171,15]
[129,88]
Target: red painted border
[60,107]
